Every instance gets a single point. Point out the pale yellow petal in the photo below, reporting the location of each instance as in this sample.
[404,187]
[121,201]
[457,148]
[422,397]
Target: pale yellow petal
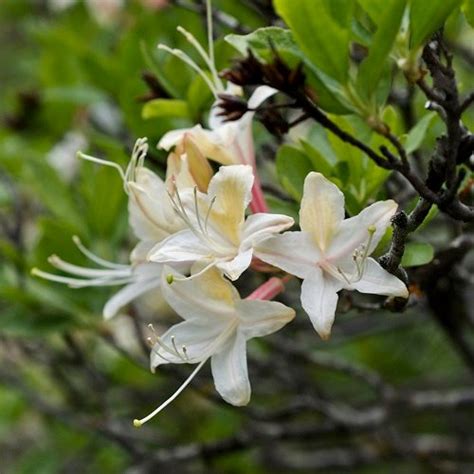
[231,187]
[322,209]
[199,167]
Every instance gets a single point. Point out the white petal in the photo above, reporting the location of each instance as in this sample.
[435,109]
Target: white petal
[217,144]
[206,296]
[140,252]
[260,318]
[354,232]
[198,336]
[229,369]
[170,139]
[322,209]
[235,267]
[262,225]
[132,291]
[183,246]
[260,95]
[375,280]
[294,252]
[319,299]
[231,187]
[151,215]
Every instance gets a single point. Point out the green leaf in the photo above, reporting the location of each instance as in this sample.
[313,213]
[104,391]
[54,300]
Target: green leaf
[260,40]
[388,25]
[374,8]
[292,167]
[322,30]
[468,10]
[280,206]
[318,160]
[165,108]
[427,17]
[417,253]
[417,134]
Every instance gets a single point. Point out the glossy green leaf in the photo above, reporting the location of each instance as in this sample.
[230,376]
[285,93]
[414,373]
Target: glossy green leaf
[322,30]
[417,134]
[165,108]
[417,253]
[260,40]
[388,25]
[318,160]
[468,10]
[292,167]
[426,17]
[374,8]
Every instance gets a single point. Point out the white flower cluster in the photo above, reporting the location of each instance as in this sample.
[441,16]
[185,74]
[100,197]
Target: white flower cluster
[195,239]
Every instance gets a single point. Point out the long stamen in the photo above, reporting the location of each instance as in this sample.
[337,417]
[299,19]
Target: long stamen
[79,283]
[95,258]
[87,272]
[341,272]
[207,59]
[165,347]
[198,214]
[199,273]
[137,423]
[99,161]
[137,161]
[173,342]
[186,59]
[208,213]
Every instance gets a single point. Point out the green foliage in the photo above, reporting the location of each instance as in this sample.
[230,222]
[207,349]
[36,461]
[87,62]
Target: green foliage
[322,29]
[417,134]
[468,9]
[388,25]
[427,17]
[417,253]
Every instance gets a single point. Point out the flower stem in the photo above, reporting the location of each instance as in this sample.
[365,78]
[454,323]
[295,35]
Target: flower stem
[258,203]
[271,288]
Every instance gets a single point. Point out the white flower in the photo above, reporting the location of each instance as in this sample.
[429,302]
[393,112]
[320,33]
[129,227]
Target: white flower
[152,218]
[217,325]
[225,142]
[331,253]
[218,233]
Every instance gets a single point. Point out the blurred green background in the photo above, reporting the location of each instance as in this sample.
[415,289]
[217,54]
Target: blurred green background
[76,75]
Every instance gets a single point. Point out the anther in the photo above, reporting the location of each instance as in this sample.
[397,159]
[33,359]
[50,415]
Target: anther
[169,278]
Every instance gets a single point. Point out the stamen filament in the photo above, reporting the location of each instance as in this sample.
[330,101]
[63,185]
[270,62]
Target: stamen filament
[99,161]
[91,256]
[186,59]
[208,213]
[79,283]
[343,275]
[137,423]
[200,272]
[198,214]
[87,272]
[207,59]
